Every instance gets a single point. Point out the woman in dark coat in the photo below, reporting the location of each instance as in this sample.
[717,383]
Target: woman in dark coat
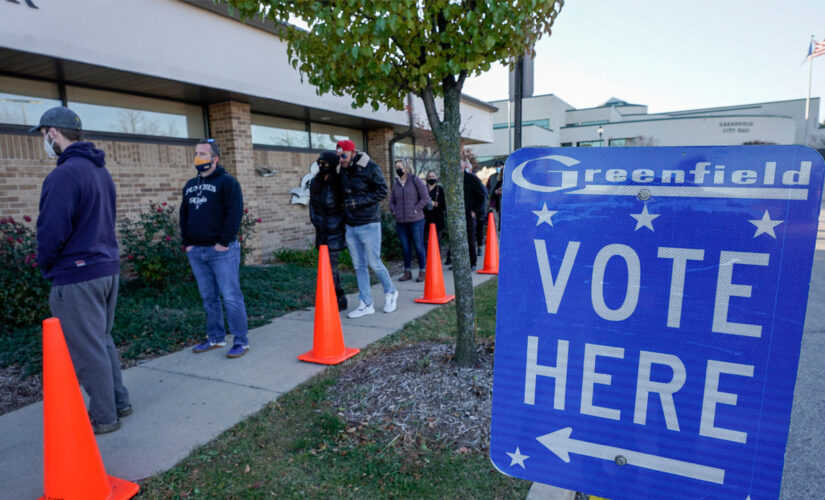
[326,211]
[434,214]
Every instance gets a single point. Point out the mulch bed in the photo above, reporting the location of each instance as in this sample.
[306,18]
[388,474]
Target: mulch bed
[418,389]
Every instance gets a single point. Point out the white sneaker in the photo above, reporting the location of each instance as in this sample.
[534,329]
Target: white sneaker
[362,310]
[390,300]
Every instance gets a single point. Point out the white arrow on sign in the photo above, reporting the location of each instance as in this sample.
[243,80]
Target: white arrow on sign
[560,443]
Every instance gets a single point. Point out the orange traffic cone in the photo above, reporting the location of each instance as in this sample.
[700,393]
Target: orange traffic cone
[73,468]
[434,292]
[491,250]
[328,340]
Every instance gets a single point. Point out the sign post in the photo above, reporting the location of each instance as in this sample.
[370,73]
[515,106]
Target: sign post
[650,311]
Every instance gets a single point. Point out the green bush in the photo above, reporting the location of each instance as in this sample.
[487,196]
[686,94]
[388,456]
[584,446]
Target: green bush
[153,248]
[390,243]
[304,258]
[247,229]
[309,258]
[24,293]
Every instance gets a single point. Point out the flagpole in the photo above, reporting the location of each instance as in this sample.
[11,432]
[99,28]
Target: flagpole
[808,99]
[810,73]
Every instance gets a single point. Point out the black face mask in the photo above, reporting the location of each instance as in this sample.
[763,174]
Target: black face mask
[431,181]
[400,172]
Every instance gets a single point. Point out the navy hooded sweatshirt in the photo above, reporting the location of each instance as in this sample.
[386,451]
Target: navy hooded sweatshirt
[211,209]
[76,239]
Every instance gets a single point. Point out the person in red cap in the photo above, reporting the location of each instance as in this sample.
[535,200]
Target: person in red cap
[364,187]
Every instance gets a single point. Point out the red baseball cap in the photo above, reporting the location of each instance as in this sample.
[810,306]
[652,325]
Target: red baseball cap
[346,145]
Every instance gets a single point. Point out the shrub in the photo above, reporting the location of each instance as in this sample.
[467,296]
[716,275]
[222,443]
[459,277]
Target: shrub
[390,243]
[24,293]
[304,258]
[309,258]
[247,229]
[153,248]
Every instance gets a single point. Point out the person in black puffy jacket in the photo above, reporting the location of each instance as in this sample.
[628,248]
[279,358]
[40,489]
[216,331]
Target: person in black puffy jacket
[326,211]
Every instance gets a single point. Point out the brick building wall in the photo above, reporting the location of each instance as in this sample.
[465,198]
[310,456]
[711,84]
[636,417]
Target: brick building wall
[146,173]
[142,172]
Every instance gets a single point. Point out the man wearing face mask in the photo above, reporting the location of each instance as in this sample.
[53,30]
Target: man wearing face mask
[364,187]
[77,251]
[210,216]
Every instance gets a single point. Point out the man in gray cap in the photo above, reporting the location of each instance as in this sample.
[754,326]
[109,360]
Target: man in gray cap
[77,251]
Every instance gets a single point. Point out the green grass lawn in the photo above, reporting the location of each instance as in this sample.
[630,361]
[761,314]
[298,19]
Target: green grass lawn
[151,322]
[298,446]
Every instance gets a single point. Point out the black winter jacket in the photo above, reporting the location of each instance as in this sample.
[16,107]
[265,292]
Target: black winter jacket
[364,187]
[326,211]
[474,195]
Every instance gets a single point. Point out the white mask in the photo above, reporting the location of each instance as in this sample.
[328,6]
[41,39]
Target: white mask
[49,147]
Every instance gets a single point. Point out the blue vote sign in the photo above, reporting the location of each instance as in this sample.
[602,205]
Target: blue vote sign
[650,310]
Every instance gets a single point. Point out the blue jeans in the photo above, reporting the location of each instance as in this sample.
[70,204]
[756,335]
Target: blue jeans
[217,276]
[364,243]
[412,232]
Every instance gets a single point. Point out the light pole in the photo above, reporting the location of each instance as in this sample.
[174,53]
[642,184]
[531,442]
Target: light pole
[601,131]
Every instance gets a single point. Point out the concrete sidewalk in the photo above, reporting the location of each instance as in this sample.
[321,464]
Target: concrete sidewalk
[183,400]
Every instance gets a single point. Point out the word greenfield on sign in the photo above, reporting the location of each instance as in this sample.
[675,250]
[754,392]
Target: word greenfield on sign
[651,304]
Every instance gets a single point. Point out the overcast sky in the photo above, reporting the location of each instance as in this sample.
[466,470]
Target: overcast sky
[673,54]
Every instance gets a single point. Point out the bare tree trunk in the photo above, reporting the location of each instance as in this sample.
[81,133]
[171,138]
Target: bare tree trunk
[448,135]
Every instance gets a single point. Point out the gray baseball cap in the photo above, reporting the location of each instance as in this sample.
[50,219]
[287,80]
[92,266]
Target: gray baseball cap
[59,117]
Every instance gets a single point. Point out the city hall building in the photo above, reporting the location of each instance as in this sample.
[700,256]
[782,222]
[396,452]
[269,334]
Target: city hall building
[150,78]
[548,121]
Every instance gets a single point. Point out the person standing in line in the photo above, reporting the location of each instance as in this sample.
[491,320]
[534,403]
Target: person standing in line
[210,217]
[494,184]
[326,211]
[434,213]
[364,187]
[408,198]
[481,217]
[77,251]
[494,190]
[474,197]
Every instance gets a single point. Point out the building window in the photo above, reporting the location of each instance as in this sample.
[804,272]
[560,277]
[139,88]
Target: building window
[22,102]
[620,142]
[589,144]
[566,144]
[324,136]
[105,111]
[277,131]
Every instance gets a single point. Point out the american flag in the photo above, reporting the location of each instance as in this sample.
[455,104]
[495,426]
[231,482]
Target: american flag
[816,49]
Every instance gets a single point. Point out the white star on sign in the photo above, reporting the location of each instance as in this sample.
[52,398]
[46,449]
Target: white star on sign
[544,215]
[644,219]
[517,458]
[765,225]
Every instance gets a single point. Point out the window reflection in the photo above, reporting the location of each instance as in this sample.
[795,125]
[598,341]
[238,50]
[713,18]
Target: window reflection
[127,114]
[276,131]
[23,101]
[327,136]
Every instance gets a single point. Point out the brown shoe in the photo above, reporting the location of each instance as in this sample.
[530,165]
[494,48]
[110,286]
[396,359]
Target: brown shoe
[407,276]
[420,277]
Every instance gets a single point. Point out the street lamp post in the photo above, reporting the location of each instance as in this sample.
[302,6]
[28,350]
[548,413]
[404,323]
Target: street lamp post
[601,131]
